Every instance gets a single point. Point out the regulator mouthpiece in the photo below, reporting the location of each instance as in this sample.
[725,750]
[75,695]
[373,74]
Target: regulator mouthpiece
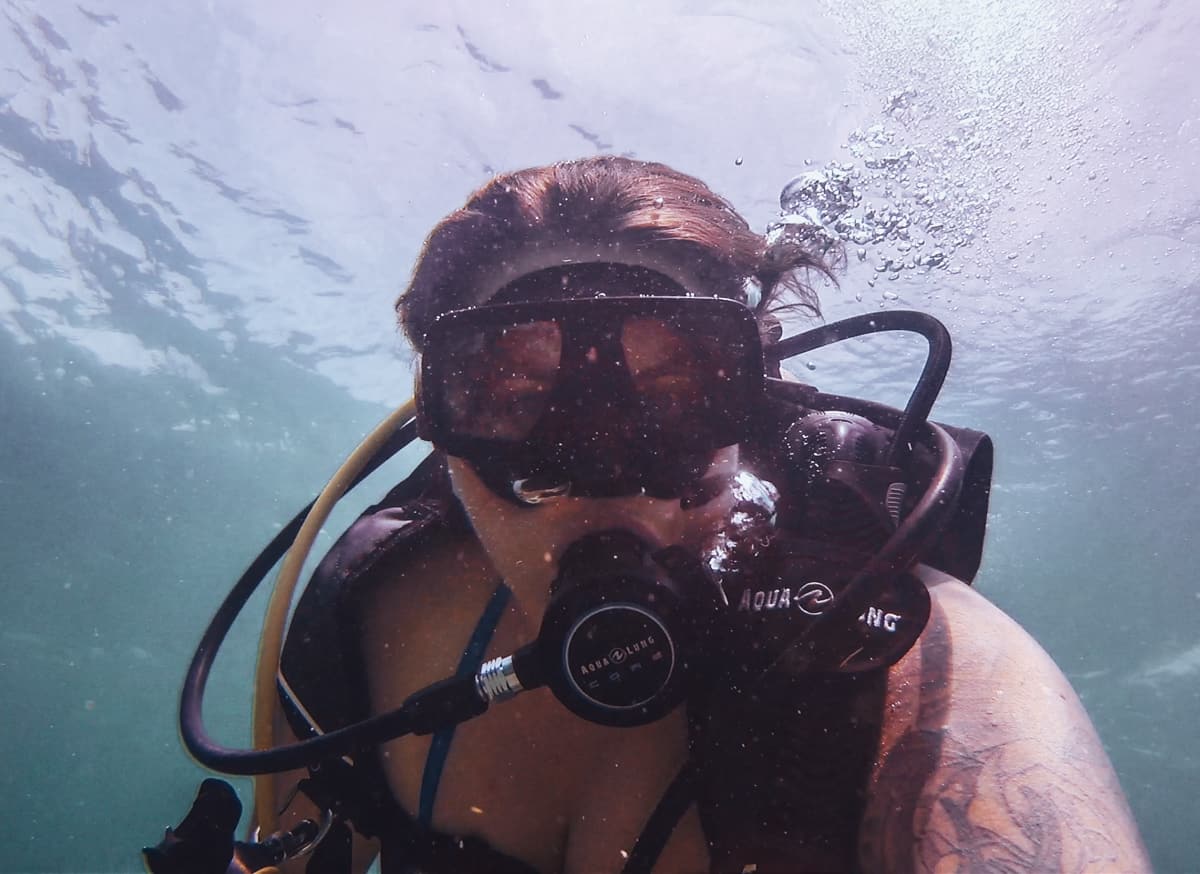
[619,635]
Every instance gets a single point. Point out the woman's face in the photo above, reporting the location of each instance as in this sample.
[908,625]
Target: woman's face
[505,388]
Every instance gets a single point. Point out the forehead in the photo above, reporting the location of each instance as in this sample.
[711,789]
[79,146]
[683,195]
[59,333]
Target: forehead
[573,281]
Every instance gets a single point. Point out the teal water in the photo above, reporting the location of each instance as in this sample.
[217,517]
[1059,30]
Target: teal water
[207,210]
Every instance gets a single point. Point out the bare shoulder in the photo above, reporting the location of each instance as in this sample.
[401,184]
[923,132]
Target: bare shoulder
[988,760]
[418,604]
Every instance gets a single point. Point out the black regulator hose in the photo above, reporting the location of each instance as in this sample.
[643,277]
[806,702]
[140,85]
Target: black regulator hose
[937,505]
[191,724]
[929,384]
[923,524]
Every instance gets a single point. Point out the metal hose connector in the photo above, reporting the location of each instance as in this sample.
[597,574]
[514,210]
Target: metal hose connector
[497,680]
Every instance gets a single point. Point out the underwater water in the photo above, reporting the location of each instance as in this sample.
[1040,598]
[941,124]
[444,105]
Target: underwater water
[207,210]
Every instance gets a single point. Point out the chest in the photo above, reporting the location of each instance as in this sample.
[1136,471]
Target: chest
[527,776]
[785,782]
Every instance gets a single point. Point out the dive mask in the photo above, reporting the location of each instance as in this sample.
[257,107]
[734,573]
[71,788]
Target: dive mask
[595,397]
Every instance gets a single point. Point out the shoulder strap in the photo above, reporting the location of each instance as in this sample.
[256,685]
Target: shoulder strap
[784,764]
[770,779]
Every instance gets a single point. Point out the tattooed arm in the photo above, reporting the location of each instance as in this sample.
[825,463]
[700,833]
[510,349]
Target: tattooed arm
[988,761]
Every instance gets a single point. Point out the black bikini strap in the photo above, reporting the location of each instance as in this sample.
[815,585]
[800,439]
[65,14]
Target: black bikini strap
[472,658]
[680,795]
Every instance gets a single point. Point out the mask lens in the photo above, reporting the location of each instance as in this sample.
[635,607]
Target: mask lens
[673,369]
[502,380]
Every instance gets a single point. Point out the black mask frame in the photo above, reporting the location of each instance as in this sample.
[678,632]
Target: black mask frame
[592,421]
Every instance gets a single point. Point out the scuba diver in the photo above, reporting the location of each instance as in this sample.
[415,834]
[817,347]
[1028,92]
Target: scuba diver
[651,603]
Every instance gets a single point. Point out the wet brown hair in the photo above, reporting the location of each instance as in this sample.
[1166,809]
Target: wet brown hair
[640,205]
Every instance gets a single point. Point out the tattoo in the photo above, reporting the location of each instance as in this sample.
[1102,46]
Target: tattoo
[892,818]
[981,826]
[960,792]
[990,809]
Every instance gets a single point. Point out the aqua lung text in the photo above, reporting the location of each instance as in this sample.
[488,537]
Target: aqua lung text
[616,656]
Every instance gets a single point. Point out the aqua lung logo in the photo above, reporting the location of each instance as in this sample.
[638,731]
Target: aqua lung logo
[812,599]
[617,655]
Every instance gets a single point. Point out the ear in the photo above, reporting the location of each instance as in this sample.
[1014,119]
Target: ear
[423,428]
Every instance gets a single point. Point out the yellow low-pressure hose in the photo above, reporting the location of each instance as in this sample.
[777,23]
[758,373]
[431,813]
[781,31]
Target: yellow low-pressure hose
[271,643]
